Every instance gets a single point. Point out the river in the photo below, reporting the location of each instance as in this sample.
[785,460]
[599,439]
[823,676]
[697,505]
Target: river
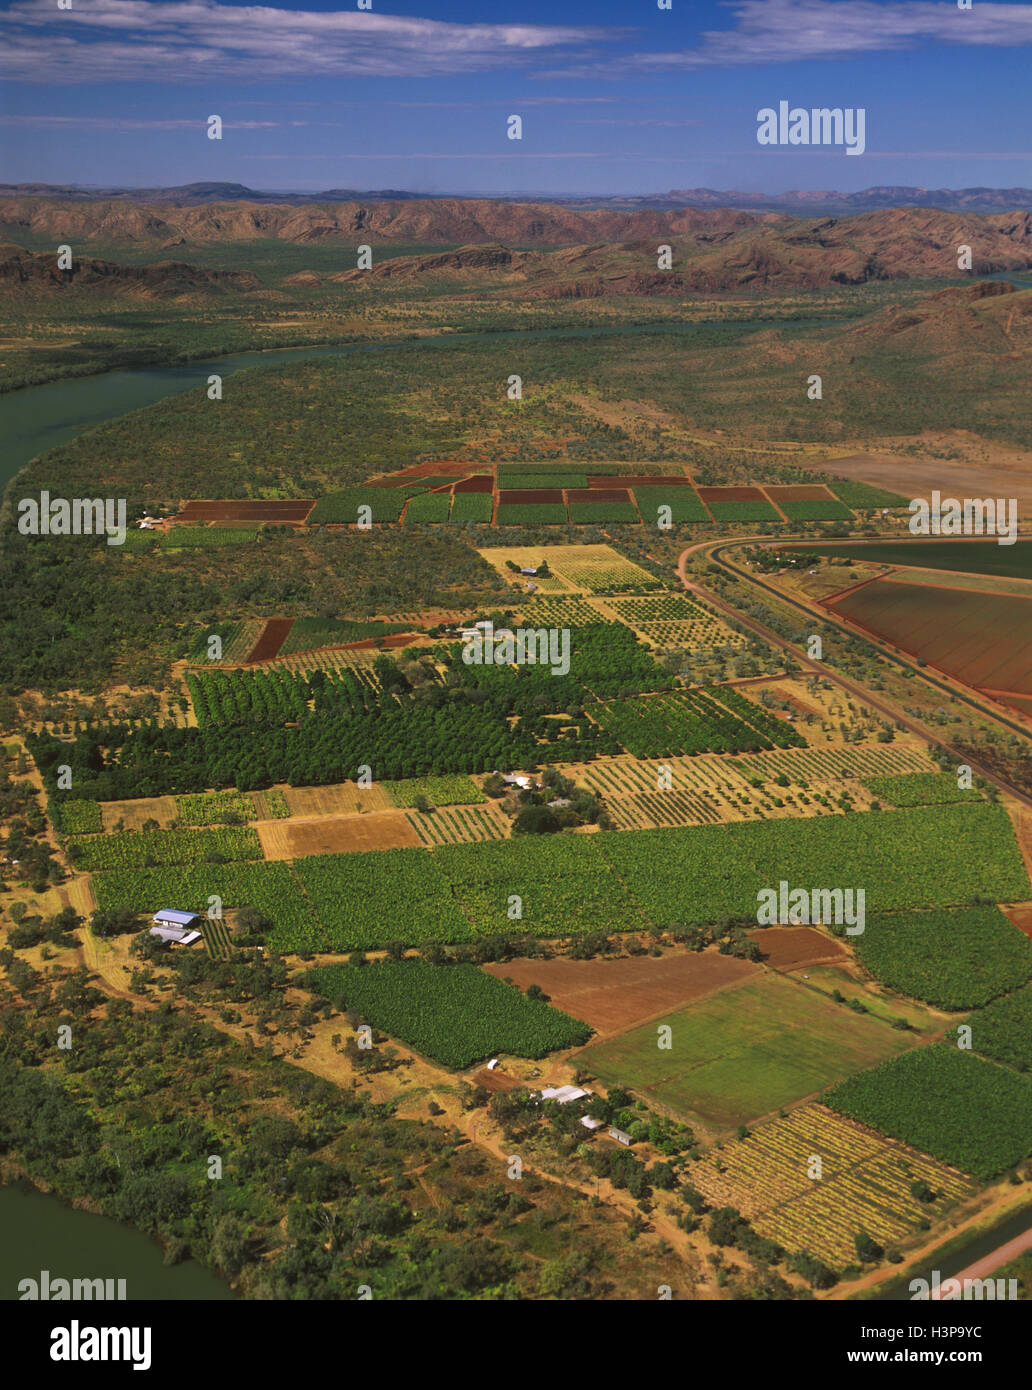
[42,1233]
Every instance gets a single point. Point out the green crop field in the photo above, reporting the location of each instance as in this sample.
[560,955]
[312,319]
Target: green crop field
[512,481]
[926,857]
[920,789]
[439,791]
[745,1051]
[976,557]
[214,808]
[80,817]
[602,513]
[385,504]
[952,959]
[864,495]
[695,721]
[1003,1030]
[271,888]
[368,900]
[455,1014]
[684,502]
[531,514]
[748,510]
[559,886]
[308,634]
[143,848]
[951,1104]
[472,506]
[816,509]
[428,506]
[205,537]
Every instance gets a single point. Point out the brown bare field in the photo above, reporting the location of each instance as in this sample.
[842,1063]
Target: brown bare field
[273,635]
[598,494]
[790,948]
[495,1081]
[1021,916]
[984,639]
[134,813]
[337,799]
[537,494]
[798,492]
[290,839]
[984,469]
[433,470]
[730,494]
[612,995]
[475,485]
[245,509]
[1020,704]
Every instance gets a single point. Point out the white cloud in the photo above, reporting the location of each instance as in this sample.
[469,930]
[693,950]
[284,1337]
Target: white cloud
[130,40]
[785,31]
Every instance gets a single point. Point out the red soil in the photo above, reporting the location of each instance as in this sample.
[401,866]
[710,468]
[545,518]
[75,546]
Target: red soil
[730,494]
[1021,917]
[475,485]
[598,494]
[539,494]
[789,948]
[799,492]
[246,510]
[613,995]
[272,637]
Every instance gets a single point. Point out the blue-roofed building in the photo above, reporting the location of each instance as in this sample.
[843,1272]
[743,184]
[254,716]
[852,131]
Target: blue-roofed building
[170,917]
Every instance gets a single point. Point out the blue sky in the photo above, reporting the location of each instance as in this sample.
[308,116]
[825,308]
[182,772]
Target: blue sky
[616,96]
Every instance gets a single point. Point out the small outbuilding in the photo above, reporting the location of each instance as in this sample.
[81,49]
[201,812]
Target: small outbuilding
[621,1136]
[177,928]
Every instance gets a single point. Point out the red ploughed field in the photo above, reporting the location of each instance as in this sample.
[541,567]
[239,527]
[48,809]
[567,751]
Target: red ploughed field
[484,484]
[626,480]
[730,494]
[246,510]
[538,494]
[598,494]
[799,492]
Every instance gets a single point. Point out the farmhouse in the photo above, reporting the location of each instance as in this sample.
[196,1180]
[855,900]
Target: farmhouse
[176,927]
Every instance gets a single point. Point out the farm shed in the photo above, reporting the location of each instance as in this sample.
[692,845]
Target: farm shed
[176,936]
[171,917]
[564,1094]
[619,1135]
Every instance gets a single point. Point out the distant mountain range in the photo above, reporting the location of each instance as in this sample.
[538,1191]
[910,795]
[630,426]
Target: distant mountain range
[797,202]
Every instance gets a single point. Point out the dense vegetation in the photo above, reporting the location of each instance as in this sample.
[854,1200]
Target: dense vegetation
[950,1104]
[954,960]
[1003,1030]
[455,1014]
[696,721]
[919,789]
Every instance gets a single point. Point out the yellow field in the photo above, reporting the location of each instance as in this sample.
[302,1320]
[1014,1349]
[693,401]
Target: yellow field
[711,788]
[134,813]
[589,569]
[338,799]
[864,1184]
